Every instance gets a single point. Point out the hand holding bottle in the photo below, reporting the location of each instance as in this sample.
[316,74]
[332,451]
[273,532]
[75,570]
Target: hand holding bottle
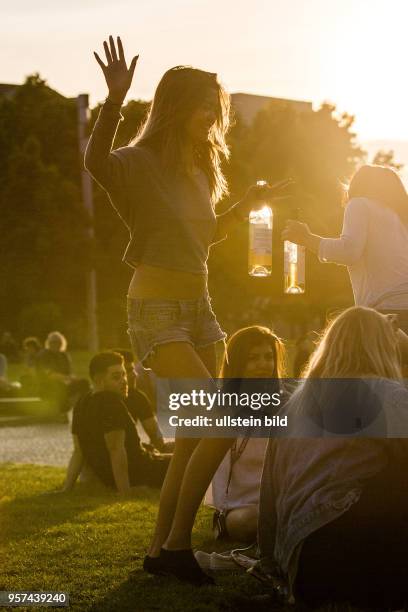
[117,75]
[258,194]
[297,232]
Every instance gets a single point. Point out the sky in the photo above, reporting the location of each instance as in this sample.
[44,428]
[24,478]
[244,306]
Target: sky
[352,53]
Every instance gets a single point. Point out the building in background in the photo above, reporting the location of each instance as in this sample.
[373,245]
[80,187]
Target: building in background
[247,106]
[7,90]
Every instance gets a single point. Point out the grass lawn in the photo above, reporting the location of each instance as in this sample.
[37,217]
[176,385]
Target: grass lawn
[87,542]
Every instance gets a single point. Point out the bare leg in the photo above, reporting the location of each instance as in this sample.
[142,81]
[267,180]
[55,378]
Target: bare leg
[242,523]
[177,360]
[198,474]
[169,492]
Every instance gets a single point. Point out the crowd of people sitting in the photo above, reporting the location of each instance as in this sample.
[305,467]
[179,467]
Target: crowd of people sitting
[46,371]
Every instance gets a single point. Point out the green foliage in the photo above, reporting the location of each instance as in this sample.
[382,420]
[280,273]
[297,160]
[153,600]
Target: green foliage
[39,318]
[386,158]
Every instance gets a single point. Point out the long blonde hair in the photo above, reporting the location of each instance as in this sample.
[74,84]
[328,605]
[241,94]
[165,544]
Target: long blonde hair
[179,94]
[360,342]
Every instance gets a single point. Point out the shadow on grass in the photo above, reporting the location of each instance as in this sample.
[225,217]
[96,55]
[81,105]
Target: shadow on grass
[24,517]
[233,593]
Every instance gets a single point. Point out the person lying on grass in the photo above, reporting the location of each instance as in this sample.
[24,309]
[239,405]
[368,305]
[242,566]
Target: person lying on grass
[105,435]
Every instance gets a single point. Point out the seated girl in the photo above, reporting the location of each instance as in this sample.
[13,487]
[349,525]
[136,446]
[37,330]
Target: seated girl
[253,352]
[333,508]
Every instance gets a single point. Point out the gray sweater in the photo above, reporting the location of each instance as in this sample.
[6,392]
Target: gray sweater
[171,220]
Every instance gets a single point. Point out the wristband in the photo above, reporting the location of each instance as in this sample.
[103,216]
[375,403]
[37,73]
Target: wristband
[113,109]
[113,104]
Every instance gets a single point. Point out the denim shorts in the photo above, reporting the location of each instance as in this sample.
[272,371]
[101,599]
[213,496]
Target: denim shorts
[159,321]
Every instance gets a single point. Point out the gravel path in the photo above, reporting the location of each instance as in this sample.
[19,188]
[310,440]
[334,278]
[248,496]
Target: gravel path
[45,444]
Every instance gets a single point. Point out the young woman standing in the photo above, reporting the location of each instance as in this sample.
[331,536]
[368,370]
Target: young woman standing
[164,186]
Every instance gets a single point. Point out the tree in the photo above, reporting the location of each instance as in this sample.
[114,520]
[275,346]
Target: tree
[43,225]
[386,158]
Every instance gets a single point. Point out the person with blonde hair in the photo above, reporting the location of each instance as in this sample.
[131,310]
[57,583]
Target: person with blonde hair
[56,380]
[333,502]
[164,186]
[373,243]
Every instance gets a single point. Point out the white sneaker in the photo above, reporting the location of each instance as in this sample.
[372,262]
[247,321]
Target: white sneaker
[243,560]
[215,562]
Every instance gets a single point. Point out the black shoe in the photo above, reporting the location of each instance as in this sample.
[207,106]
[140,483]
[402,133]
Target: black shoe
[153,565]
[183,565]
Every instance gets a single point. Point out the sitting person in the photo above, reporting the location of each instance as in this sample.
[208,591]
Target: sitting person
[28,378]
[54,371]
[3,372]
[253,352]
[140,408]
[105,435]
[7,388]
[333,504]
[4,383]
[9,347]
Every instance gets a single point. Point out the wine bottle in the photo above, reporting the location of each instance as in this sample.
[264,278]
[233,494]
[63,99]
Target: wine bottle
[260,240]
[294,266]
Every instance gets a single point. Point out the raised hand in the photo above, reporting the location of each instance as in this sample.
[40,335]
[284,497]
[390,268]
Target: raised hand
[117,75]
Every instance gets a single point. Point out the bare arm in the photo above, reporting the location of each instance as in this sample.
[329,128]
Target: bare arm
[226,222]
[151,427]
[115,442]
[74,467]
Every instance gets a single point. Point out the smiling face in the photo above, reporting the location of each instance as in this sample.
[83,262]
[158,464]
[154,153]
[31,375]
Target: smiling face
[260,362]
[204,117]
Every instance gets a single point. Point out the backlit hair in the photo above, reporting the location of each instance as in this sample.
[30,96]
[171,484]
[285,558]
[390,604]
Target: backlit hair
[240,345]
[56,335]
[179,94]
[360,342]
[380,183]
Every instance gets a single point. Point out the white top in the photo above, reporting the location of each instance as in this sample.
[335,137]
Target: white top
[374,247]
[243,488]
